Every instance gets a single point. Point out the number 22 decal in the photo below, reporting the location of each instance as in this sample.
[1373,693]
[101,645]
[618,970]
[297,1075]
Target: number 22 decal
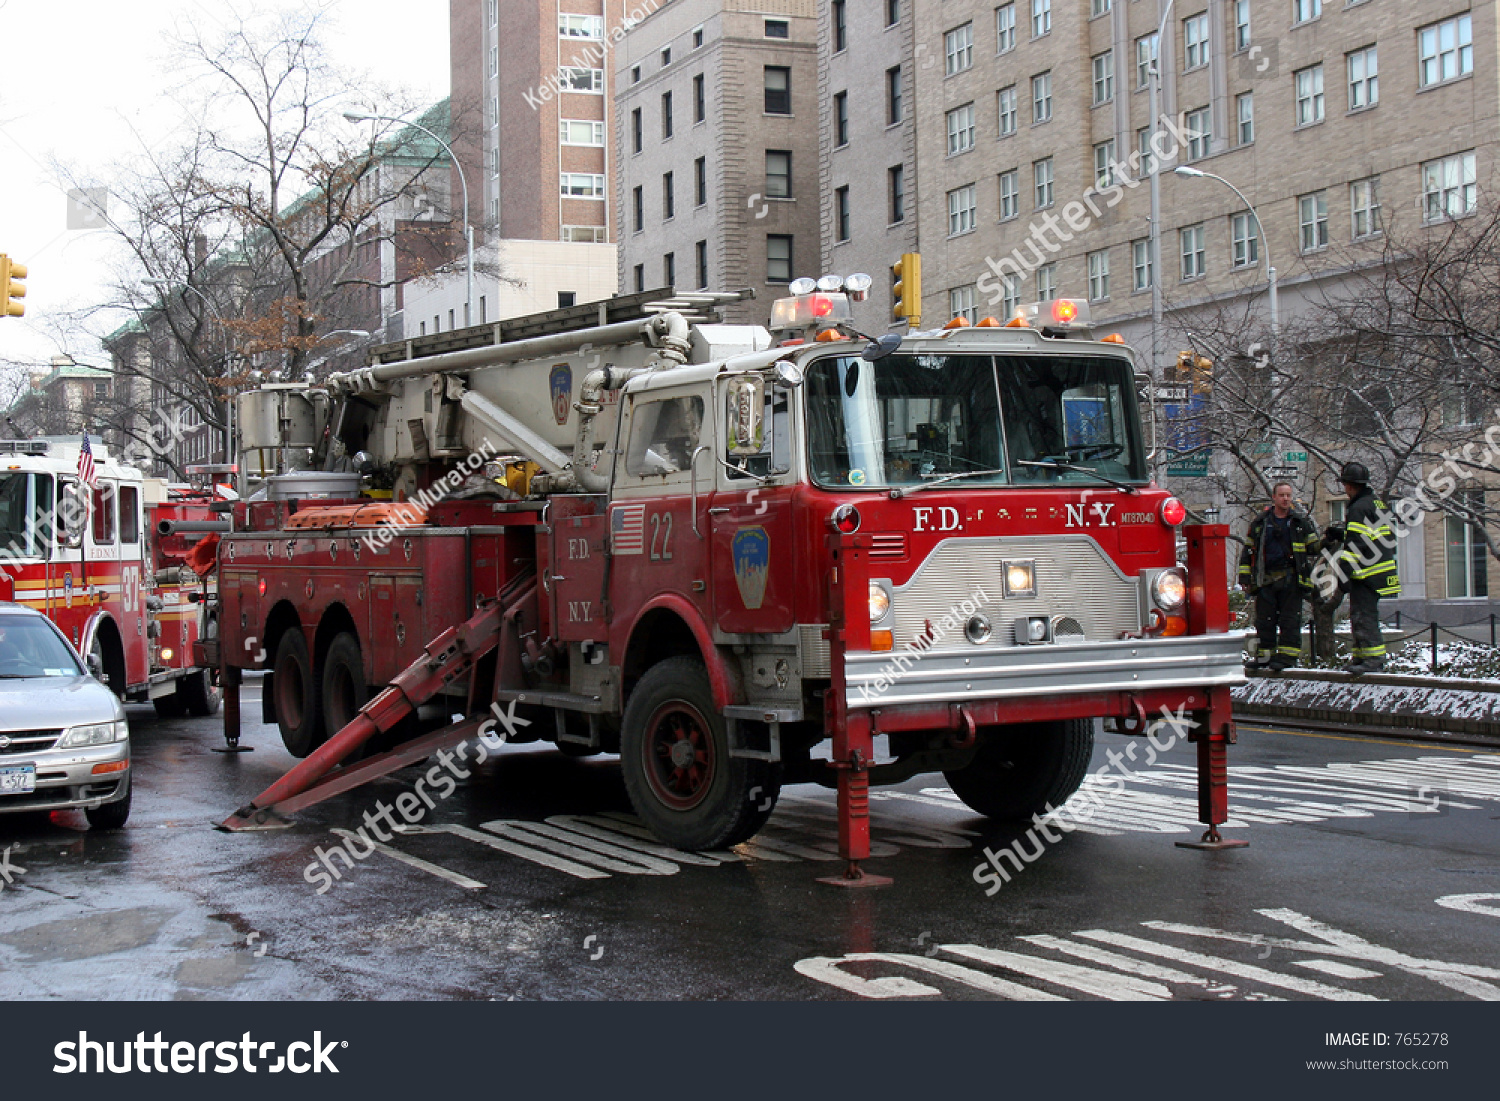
[661,530]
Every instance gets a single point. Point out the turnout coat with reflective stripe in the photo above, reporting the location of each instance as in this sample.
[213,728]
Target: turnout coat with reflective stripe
[1369,553]
[1305,544]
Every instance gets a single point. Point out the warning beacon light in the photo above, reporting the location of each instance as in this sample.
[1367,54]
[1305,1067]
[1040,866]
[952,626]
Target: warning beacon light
[1061,315]
[812,305]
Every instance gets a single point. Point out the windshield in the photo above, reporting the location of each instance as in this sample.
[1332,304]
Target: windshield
[29,647]
[25,503]
[911,419]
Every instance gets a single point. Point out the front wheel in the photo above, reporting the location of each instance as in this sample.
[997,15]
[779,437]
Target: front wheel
[674,752]
[110,816]
[1024,769]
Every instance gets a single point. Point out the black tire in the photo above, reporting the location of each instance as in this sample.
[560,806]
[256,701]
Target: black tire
[344,690]
[110,816]
[298,712]
[674,752]
[170,706]
[1020,770]
[107,675]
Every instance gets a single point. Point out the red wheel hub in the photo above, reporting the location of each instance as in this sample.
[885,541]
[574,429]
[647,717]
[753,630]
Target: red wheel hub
[680,759]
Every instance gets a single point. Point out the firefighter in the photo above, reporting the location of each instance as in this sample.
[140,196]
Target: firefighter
[1275,568]
[1366,567]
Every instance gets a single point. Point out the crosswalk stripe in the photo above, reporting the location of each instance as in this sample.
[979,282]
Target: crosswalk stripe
[536,856]
[416,862]
[1114,988]
[1143,968]
[603,830]
[826,969]
[535,835]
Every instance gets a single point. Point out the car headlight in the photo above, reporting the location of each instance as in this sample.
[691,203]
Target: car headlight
[880,602]
[1169,590]
[94,734]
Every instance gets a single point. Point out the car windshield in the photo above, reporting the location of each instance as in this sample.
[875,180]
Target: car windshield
[907,420]
[29,647]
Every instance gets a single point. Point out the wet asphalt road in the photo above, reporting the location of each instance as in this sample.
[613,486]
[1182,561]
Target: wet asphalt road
[531,881]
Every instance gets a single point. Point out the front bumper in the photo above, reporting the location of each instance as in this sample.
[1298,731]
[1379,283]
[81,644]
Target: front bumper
[987,673]
[65,778]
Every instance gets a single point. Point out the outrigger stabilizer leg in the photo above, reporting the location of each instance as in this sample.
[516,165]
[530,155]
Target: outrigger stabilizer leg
[1213,730]
[453,654]
[229,678]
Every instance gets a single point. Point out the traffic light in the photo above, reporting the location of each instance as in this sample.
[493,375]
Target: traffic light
[906,290]
[1184,367]
[11,287]
[1203,375]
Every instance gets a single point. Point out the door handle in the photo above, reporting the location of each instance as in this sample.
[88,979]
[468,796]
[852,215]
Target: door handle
[717,511]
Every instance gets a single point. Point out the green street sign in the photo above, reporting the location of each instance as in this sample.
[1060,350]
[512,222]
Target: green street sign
[1194,466]
[1296,456]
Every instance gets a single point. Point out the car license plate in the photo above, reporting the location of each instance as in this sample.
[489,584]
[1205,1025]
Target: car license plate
[17,779]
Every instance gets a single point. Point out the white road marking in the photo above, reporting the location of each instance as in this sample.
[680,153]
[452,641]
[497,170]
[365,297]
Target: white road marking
[643,842]
[1472,904]
[1337,970]
[527,833]
[536,856]
[826,969]
[425,865]
[1130,966]
[1102,984]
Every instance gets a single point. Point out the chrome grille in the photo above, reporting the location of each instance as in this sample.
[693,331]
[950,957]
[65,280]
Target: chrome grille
[813,651]
[1074,578]
[27,741]
[888,546]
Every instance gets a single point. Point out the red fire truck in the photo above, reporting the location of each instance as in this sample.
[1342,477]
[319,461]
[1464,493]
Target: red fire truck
[98,565]
[736,559]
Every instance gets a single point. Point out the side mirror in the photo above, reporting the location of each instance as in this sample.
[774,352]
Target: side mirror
[747,411]
[95,665]
[882,347]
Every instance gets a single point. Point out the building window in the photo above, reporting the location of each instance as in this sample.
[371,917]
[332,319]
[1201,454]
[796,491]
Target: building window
[1046,283]
[668,197]
[958,48]
[841,214]
[1010,194]
[894,109]
[1104,77]
[666,57]
[640,278]
[1245,241]
[1446,50]
[962,302]
[638,209]
[1364,207]
[1195,42]
[666,115]
[1468,553]
[841,119]
[1145,57]
[1104,164]
[1364,86]
[492,8]
[1099,7]
[494,60]
[1010,296]
[1199,126]
[700,99]
[701,249]
[1305,11]
[566,299]
[1005,103]
[1448,187]
[578,235]
[778,90]
[1041,97]
[580,26]
[962,212]
[892,12]
[840,26]
[1140,261]
[1041,18]
[635,74]
[1041,177]
[1194,256]
[778,28]
[669,270]
[698,38]
[581,132]
[1005,28]
[961,129]
[582,185]
[1312,217]
[1241,25]
[101,392]
[700,181]
[582,80]
[1309,95]
[897,186]
[1099,275]
[778,174]
[636,133]
[778,258]
[1244,111]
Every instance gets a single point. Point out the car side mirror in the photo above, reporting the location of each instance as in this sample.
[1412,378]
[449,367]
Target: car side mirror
[96,665]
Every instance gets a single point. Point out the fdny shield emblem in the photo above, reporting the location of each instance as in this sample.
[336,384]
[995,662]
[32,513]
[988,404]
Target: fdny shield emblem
[751,550]
[562,392]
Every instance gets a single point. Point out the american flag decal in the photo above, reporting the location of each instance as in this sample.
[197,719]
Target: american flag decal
[627,529]
[86,473]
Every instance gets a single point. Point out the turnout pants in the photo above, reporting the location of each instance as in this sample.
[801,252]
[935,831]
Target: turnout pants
[1278,618]
[1364,622]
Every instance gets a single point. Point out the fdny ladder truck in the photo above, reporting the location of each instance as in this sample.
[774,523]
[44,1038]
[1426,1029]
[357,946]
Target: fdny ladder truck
[113,567]
[734,557]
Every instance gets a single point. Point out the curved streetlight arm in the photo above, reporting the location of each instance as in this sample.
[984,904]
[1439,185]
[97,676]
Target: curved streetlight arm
[1195,173]
[463,182]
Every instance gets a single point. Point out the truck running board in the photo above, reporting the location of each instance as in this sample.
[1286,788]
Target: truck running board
[453,654]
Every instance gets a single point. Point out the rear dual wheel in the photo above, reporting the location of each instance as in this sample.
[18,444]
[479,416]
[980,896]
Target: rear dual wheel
[1025,769]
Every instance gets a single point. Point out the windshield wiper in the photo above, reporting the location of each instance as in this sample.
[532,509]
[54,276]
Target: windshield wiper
[1126,486]
[902,491]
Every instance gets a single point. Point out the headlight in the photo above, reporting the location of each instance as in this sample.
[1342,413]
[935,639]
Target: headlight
[1169,590]
[880,602]
[1020,578]
[97,734]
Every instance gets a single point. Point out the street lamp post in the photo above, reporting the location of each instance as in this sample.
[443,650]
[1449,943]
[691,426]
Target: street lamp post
[1195,174]
[354,116]
[164,284]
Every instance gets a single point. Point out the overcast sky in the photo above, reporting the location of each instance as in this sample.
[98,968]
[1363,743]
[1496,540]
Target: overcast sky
[85,82]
